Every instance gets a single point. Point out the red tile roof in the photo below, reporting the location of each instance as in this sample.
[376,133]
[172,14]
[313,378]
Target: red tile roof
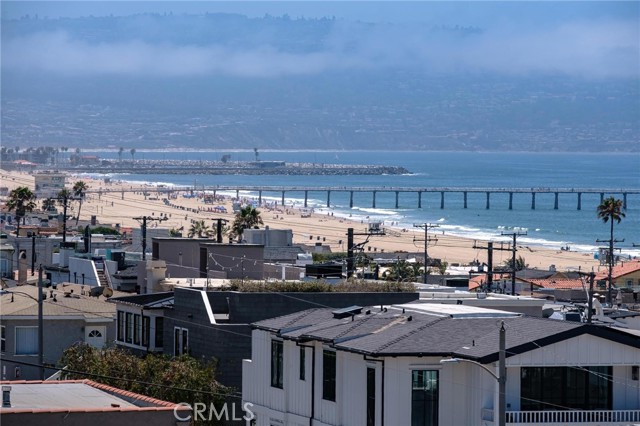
[558,283]
[620,270]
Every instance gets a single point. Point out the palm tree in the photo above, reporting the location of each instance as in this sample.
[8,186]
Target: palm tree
[120,151]
[200,229]
[22,200]
[610,209]
[48,204]
[63,199]
[79,191]
[132,152]
[400,271]
[247,217]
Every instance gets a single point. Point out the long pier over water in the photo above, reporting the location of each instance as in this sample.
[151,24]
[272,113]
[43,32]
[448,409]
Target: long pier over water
[621,193]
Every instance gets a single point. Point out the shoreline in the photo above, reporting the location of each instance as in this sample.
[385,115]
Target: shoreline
[321,227]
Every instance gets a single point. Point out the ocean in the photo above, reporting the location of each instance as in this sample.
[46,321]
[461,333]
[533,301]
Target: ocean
[544,226]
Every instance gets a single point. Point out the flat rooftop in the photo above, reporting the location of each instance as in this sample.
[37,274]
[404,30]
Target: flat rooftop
[75,396]
[455,311]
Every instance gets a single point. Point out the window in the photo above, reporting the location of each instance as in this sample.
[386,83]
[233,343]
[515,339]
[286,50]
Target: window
[3,339]
[424,398]
[371,396]
[95,333]
[129,328]
[579,388]
[629,283]
[121,326]
[136,329]
[277,363]
[26,340]
[159,332]
[303,371]
[329,375]
[146,321]
[180,341]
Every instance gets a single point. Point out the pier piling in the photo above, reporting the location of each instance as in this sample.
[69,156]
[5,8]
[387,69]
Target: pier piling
[533,201]
[350,199]
[328,199]
[465,199]
[442,199]
[511,201]
[419,199]
[579,200]
[374,199]
[306,197]
[488,203]
[397,197]
[555,203]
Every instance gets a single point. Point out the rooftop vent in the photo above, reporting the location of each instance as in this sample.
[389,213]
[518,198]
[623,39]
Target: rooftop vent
[347,312]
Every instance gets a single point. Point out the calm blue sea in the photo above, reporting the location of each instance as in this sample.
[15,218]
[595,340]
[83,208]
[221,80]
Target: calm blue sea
[544,226]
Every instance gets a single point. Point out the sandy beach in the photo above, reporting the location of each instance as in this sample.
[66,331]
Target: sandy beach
[111,205]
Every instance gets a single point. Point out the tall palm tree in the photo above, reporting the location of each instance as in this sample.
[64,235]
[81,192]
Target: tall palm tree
[79,191]
[248,217]
[63,198]
[120,151]
[200,229]
[22,200]
[609,210]
[132,152]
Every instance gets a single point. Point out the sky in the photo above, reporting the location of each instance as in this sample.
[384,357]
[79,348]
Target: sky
[593,39]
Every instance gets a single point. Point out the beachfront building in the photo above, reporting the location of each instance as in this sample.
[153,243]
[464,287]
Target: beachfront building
[402,366]
[71,314]
[83,402]
[49,184]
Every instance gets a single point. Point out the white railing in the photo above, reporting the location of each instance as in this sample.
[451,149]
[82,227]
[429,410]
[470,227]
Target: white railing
[573,416]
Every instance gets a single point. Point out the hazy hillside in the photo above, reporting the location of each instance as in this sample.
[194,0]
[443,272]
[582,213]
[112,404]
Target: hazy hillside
[227,81]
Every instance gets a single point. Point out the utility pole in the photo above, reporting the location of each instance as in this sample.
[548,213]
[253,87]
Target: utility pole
[373,230]
[610,263]
[515,235]
[40,325]
[490,250]
[144,231]
[426,227]
[592,277]
[220,221]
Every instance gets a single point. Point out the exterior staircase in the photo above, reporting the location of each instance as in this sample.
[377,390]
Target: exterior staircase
[102,278]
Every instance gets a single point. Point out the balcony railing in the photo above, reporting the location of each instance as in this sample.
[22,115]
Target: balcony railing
[573,416]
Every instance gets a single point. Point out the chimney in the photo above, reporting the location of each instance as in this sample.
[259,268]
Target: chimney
[6,396]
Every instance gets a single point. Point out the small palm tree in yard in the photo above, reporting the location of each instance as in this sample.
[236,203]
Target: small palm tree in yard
[248,217]
[200,229]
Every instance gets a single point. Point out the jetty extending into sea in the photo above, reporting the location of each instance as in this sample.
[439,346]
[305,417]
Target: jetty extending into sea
[197,167]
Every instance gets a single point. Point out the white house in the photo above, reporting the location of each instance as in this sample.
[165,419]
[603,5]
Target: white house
[371,366]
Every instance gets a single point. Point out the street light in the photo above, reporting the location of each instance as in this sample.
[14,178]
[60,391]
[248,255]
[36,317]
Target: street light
[501,377]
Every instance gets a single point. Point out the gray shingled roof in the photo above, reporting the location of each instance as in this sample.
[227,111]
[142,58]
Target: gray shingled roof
[394,333]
